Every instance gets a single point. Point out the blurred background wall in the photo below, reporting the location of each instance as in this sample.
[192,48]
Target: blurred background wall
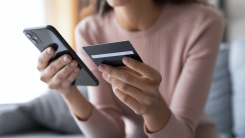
[236,19]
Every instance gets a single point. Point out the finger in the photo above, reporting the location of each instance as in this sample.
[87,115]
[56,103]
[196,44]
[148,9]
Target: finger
[144,69]
[68,81]
[61,75]
[55,66]
[130,70]
[128,100]
[124,76]
[44,58]
[124,87]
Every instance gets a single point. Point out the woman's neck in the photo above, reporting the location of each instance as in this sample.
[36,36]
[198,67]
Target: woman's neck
[138,14]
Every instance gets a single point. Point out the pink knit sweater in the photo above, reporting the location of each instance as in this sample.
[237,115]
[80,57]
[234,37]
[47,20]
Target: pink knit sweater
[182,45]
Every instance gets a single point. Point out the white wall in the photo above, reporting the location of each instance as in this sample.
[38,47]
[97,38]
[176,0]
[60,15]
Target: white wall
[236,19]
[19,78]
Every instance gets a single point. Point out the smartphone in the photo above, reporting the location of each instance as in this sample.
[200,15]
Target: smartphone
[48,36]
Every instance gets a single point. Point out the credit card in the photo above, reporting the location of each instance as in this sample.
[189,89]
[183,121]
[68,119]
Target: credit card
[111,53]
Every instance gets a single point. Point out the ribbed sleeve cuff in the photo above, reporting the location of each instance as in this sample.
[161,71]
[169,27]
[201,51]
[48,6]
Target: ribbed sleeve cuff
[169,131]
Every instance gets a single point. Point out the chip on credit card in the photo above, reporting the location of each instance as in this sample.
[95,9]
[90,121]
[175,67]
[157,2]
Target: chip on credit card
[111,53]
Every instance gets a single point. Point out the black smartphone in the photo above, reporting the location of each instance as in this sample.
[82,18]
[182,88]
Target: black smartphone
[48,36]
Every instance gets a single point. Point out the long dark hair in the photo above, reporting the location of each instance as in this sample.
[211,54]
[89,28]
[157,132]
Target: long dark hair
[103,6]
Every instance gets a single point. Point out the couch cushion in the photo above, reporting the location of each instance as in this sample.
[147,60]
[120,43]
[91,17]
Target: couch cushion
[237,69]
[218,106]
[43,134]
[51,111]
[13,120]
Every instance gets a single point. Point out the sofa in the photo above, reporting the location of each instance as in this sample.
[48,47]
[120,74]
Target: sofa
[48,115]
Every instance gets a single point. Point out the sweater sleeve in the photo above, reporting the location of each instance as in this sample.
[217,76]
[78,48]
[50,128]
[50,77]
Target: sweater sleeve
[105,120]
[192,88]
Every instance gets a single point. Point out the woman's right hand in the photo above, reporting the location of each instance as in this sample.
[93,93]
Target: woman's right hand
[60,73]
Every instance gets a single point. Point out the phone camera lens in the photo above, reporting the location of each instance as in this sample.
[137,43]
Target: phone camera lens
[28,35]
[35,38]
[33,41]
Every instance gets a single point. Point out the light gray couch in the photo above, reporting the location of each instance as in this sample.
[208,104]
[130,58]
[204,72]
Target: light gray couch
[48,116]
[45,116]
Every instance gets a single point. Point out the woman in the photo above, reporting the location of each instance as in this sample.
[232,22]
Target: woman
[164,97]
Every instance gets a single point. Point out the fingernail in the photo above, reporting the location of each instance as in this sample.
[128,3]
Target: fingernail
[105,76]
[73,64]
[65,58]
[49,51]
[126,60]
[76,70]
[114,88]
[102,68]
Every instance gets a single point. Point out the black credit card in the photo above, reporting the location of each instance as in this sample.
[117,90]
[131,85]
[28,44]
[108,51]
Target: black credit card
[111,53]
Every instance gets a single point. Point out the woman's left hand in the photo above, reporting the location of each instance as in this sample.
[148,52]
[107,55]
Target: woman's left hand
[136,85]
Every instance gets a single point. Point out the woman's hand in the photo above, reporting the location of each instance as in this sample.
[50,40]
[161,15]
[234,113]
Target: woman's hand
[137,84]
[60,73]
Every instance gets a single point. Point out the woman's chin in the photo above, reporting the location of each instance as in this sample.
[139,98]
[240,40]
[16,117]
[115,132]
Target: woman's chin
[116,3]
